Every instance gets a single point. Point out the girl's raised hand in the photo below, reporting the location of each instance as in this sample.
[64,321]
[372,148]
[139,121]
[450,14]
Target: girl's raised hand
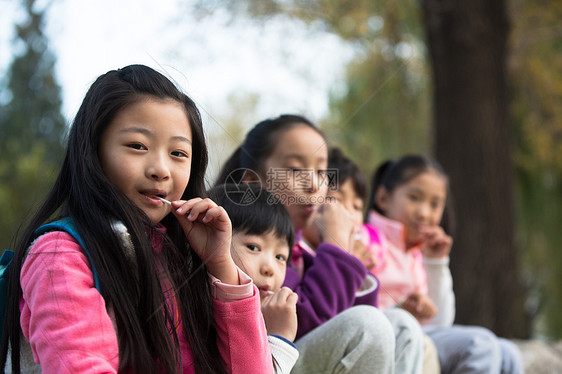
[209,231]
[280,313]
[335,225]
[359,249]
[420,306]
[438,243]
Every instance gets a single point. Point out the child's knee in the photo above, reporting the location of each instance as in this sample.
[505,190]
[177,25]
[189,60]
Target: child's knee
[481,335]
[405,326]
[470,348]
[370,323]
[481,342]
[512,361]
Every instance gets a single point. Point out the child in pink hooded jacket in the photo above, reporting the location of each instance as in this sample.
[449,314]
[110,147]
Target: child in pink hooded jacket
[407,203]
[170,298]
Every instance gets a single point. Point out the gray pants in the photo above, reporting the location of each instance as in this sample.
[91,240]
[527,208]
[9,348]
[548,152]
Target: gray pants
[409,341]
[474,350]
[358,340]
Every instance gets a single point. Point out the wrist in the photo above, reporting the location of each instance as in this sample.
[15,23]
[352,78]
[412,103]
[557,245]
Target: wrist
[283,333]
[284,339]
[224,270]
[435,261]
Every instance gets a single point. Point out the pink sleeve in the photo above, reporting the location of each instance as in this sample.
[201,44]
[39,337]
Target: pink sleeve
[229,292]
[241,334]
[63,315]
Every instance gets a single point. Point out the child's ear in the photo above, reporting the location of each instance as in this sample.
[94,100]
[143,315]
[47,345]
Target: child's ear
[381,198]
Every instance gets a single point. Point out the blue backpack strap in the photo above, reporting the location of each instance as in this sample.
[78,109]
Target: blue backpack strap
[5,262]
[66,224]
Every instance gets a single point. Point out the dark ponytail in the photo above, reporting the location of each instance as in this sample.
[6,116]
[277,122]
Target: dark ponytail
[376,182]
[231,171]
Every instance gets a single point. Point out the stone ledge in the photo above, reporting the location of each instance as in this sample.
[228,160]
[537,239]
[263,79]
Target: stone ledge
[541,357]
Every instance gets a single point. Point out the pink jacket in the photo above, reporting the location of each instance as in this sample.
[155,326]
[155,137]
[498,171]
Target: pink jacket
[403,271]
[400,270]
[65,320]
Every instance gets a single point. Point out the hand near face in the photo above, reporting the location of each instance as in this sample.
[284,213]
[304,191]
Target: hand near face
[208,229]
[359,249]
[335,225]
[420,306]
[280,313]
[438,243]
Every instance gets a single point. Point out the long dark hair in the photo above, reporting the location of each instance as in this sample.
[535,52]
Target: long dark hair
[258,146]
[134,293]
[393,173]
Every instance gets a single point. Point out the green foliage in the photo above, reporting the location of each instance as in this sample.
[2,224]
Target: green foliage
[536,76]
[231,128]
[539,201]
[31,127]
[536,82]
[20,194]
[354,20]
[384,111]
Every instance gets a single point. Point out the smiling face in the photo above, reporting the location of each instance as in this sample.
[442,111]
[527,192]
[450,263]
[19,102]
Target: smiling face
[417,204]
[293,172]
[146,151]
[263,257]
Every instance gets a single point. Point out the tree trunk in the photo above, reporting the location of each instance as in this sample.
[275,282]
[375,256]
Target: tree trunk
[467,46]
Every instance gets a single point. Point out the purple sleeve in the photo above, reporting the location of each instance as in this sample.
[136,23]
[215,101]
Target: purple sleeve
[328,286]
[371,297]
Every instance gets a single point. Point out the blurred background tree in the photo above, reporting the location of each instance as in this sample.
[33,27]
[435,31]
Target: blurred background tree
[31,124]
[475,85]
[467,43]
